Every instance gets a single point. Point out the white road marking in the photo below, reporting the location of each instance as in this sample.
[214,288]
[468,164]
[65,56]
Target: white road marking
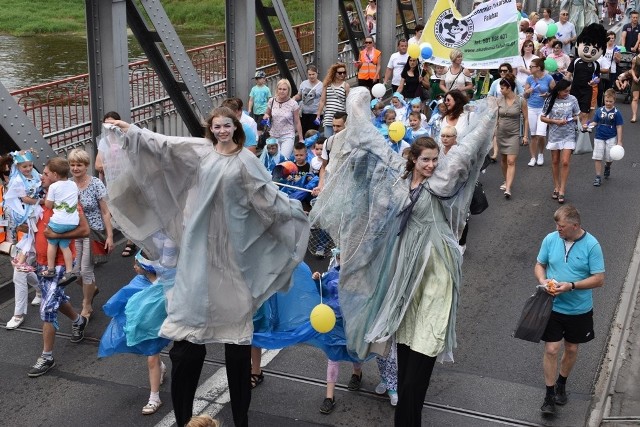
[213,394]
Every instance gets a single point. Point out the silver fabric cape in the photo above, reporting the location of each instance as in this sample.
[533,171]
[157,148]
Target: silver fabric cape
[239,237]
[359,207]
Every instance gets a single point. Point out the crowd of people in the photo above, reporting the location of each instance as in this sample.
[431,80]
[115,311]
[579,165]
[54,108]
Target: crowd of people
[432,124]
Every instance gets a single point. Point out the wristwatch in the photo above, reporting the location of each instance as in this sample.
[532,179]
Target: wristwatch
[573,286]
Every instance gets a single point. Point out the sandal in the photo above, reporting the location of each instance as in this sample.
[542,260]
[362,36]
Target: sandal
[256,379]
[503,186]
[561,198]
[129,250]
[555,194]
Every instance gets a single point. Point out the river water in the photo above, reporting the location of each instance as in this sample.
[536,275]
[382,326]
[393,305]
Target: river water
[34,60]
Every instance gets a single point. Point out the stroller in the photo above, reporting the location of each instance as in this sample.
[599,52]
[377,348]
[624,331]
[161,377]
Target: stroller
[624,66]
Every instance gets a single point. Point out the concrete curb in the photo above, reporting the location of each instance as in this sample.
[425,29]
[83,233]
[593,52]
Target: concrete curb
[618,335]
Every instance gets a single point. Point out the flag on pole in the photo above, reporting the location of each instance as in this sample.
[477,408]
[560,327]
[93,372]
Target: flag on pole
[487,37]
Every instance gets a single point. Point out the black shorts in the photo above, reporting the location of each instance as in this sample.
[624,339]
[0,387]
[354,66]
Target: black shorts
[576,329]
[584,99]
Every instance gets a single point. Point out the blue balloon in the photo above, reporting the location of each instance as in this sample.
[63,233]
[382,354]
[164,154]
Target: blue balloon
[426,52]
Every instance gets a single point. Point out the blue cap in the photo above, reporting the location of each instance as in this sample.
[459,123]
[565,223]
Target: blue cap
[22,156]
[398,95]
[374,102]
[416,101]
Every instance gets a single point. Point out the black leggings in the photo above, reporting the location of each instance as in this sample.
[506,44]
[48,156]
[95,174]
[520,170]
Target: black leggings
[414,374]
[186,365]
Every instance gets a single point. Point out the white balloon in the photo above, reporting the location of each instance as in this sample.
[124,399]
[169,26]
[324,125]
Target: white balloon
[378,90]
[541,28]
[616,152]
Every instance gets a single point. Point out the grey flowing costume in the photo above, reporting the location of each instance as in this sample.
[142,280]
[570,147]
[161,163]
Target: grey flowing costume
[393,281]
[239,237]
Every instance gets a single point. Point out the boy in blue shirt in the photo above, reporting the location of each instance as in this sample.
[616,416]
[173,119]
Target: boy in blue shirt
[608,123]
[258,98]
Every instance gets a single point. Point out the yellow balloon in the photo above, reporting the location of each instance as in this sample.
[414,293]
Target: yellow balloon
[396,131]
[323,319]
[414,50]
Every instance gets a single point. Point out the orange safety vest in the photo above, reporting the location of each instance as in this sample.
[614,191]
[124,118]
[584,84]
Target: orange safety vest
[368,65]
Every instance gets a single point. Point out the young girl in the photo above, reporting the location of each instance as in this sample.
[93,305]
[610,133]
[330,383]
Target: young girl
[416,107]
[399,106]
[415,130]
[143,297]
[271,156]
[433,126]
[389,117]
[21,202]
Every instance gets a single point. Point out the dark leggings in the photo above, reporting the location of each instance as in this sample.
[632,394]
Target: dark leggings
[186,365]
[414,374]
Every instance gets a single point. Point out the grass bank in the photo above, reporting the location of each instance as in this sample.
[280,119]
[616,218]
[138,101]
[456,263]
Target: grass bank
[29,17]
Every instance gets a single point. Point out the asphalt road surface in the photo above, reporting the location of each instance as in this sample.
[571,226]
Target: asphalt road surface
[495,380]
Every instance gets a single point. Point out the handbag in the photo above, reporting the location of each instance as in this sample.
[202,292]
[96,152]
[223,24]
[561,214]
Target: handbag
[479,202]
[97,238]
[535,316]
[583,142]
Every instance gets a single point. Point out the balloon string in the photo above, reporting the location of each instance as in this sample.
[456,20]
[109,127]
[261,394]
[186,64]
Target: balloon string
[321,289]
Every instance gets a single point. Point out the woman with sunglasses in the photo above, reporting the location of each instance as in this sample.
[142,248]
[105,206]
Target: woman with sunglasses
[334,96]
[612,57]
[368,64]
[455,115]
[504,69]
[511,107]
[536,90]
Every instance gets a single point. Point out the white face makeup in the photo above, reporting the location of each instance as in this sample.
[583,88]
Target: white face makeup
[223,129]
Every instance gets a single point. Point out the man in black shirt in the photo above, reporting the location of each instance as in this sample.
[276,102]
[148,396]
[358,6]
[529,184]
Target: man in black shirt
[630,31]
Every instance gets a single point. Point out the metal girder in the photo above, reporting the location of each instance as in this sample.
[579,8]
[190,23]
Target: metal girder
[386,29]
[403,6]
[108,60]
[241,46]
[19,132]
[326,34]
[165,34]
[295,53]
[354,35]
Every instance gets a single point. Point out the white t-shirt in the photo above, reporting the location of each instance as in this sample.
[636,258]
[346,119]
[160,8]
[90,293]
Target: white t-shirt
[246,119]
[64,195]
[566,32]
[397,63]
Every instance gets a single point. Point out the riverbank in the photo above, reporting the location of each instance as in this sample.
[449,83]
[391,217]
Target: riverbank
[31,17]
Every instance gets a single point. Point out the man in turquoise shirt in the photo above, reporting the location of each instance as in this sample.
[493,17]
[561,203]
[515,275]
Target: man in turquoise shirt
[570,264]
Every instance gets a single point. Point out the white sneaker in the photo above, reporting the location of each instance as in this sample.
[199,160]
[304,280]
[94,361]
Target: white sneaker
[540,161]
[36,300]
[532,162]
[393,397]
[381,388]
[163,372]
[14,323]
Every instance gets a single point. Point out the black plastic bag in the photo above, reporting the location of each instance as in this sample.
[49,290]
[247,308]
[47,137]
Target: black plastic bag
[479,200]
[535,316]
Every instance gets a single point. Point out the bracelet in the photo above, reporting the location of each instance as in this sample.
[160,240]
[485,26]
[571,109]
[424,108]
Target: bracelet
[573,286]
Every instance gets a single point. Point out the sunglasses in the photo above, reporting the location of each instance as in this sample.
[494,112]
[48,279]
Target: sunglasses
[341,72]
[504,71]
[367,42]
[564,14]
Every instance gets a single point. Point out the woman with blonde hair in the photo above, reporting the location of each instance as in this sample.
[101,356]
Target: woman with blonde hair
[93,199]
[334,96]
[456,77]
[284,113]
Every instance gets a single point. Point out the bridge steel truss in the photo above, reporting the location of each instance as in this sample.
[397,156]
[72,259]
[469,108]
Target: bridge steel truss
[108,56]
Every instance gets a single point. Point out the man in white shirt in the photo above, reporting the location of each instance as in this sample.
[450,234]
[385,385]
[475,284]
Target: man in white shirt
[396,63]
[566,33]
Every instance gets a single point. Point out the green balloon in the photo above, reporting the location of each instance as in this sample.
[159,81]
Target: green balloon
[622,49]
[552,29]
[550,65]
